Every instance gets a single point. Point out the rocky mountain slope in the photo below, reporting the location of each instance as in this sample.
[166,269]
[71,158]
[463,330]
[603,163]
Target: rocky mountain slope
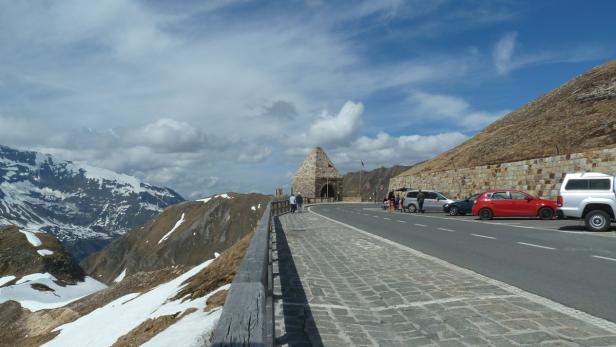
[371,181]
[37,272]
[83,206]
[579,115]
[184,234]
[173,305]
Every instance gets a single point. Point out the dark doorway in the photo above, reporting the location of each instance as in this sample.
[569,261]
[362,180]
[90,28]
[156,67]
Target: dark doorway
[328,191]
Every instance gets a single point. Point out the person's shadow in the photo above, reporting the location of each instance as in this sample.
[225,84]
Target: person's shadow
[301,329]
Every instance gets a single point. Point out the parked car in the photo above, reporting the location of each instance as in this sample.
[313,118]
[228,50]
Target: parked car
[461,206]
[588,196]
[512,203]
[433,201]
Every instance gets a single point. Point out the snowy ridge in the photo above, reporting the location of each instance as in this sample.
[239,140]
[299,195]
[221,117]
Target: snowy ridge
[74,201]
[58,296]
[103,326]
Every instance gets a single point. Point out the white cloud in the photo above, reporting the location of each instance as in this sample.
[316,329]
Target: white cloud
[453,109]
[335,129]
[503,53]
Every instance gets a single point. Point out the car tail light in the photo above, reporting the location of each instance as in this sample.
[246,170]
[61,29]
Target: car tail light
[559,201]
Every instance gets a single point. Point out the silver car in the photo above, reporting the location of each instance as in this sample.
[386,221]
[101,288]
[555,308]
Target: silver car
[433,201]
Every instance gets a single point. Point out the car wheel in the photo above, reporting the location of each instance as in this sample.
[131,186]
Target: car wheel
[546,213]
[453,211]
[597,220]
[412,208]
[485,213]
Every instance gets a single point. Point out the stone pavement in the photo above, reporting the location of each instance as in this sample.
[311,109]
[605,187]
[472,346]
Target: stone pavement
[336,286]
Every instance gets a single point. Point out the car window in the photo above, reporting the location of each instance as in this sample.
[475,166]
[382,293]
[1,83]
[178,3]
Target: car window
[577,185]
[518,196]
[500,196]
[474,197]
[441,196]
[412,195]
[599,184]
[430,195]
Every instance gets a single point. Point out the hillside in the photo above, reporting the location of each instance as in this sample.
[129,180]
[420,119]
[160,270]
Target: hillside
[83,206]
[371,181]
[578,116]
[184,234]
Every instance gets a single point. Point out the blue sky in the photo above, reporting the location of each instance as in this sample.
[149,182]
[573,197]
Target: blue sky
[207,97]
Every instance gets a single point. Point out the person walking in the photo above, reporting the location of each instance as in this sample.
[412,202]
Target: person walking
[293,203]
[391,199]
[397,202]
[299,201]
[420,200]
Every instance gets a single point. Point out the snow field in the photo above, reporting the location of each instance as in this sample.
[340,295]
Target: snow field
[103,326]
[177,225]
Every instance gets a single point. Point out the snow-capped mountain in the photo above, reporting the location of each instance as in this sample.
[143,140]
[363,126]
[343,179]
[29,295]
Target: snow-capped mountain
[83,206]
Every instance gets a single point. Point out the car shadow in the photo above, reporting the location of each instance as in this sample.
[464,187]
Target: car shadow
[583,229]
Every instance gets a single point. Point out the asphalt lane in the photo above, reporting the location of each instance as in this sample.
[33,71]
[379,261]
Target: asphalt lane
[553,259]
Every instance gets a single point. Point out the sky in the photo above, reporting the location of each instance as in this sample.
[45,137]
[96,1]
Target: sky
[214,96]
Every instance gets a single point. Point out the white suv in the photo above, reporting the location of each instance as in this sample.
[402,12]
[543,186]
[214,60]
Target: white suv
[589,196]
[433,201]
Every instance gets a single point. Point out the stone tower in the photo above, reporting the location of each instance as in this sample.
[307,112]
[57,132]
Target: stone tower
[317,177]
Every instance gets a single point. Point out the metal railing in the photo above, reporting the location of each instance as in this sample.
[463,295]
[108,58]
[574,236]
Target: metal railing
[248,314]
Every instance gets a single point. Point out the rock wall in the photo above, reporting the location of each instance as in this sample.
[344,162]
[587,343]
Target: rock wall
[541,177]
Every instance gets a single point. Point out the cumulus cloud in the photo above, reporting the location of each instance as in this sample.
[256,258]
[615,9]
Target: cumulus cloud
[334,129]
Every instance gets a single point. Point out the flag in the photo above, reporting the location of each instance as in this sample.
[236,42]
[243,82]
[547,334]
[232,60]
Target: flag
[362,164]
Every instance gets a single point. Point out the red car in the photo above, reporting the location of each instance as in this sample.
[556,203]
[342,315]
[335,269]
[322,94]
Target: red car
[512,203]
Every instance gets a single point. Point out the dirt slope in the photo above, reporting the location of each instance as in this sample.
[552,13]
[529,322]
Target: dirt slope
[578,116]
[371,181]
[207,228]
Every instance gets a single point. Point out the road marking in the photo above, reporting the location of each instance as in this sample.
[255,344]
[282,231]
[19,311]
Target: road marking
[604,258]
[487,237]
[421,225]
[534,245]
[402,221]
[445,229]
[376,216]
[583,316]
[386,218]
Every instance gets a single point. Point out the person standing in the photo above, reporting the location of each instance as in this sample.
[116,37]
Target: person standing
[397,202]
[293,203]
[391,200]
[420,200]
[299,200]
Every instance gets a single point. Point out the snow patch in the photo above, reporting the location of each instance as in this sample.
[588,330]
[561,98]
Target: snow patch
[254,208]
[205,200]
[35,300]
[177,225]
[6,279]
[120,277]
[33,239]
[224,196]
[44,252]
[103,326]
[216,254]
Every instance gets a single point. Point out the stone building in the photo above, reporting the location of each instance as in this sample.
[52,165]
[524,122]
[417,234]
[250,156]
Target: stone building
[317,177]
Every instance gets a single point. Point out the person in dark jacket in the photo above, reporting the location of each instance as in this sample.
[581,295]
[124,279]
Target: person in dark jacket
[420,200]
[299,201]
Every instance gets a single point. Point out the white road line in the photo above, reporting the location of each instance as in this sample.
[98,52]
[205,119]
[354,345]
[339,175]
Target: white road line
[604,258]
[487,237]
[386,218]
[445,229]
[583,316]
[534,245]
[402,221]
[421,225]
[376,216]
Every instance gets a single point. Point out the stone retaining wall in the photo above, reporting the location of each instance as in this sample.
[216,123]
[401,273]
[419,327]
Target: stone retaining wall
[541,177]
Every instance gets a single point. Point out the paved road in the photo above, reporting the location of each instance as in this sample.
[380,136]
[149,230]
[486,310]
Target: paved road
[553,259]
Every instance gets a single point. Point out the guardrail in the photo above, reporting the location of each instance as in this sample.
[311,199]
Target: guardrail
[248,314]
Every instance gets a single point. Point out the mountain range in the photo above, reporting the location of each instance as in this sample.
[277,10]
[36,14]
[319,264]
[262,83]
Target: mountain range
[83,206]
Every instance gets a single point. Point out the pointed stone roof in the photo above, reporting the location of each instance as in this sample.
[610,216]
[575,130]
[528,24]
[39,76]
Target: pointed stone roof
[317,164]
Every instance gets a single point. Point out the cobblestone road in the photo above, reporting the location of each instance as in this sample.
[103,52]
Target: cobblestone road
[337,286]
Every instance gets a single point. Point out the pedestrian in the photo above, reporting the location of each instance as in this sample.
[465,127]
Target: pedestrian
[397,202]
[293,203]
[299,200]
[420,200]
[391,200]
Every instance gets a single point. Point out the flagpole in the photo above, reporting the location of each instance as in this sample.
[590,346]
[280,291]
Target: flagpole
[359,188]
